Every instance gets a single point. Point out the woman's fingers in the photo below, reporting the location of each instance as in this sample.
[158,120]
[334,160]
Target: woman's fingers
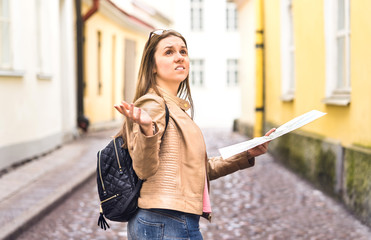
[123,108]
[136,115]
[270,131]
[131,110]
[263,148]
[133,113]
[125,104]
[118,108]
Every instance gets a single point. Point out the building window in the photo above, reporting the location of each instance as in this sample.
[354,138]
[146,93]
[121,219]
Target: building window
[196,15]
[342,44]
[337,32]
[197,72]
[287,51]
[232,72]
[5,41]
[99,62]
[43,40]
[231,16]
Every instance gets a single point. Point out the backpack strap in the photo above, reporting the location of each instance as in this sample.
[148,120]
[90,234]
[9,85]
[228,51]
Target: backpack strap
[167,118]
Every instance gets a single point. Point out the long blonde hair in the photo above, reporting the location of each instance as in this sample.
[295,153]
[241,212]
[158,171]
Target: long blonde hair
[147,77]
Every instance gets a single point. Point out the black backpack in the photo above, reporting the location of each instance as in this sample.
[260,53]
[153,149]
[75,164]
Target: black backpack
[118,184]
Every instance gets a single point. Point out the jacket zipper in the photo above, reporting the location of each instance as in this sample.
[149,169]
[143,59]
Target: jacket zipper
[100,175]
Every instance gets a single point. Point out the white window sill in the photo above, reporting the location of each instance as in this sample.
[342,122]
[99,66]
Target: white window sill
[12,73]
[42,76]
[288,97]
[338,98]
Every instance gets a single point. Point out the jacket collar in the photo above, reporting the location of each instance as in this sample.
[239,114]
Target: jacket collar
[183,104]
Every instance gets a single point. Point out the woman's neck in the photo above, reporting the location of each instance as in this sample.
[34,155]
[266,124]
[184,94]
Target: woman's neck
[173,90]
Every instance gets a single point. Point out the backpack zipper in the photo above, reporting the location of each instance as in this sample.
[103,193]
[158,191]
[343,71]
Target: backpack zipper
[100,175]
[105,200]
[117,156]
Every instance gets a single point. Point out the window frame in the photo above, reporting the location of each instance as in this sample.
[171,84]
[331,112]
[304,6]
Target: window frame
[337,93]
[232,72]
[287,52]
[6,20]
[231,17]
[197,74]
[43,28]
[196,15]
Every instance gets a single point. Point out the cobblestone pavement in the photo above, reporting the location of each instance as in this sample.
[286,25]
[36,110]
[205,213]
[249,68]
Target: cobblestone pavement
[263,202]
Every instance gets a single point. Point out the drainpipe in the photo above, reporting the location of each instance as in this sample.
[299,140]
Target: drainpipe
[260,69]
[91,11]
[82,120]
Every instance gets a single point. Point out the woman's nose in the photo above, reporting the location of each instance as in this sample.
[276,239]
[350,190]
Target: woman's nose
[179,57]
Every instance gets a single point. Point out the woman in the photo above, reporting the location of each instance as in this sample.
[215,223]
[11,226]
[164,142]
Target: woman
[175,166]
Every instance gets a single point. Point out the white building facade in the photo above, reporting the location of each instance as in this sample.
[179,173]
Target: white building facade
[211,30]
[37,77]
[39,68]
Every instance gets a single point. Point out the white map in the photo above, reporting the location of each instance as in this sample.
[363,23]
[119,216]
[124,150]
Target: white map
[291,125]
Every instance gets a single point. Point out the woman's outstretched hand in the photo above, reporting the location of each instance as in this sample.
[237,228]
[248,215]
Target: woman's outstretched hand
[262,148]
[136,115]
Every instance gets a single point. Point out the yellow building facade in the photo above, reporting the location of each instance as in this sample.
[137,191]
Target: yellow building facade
[348,124]
[316,56]
[113,42]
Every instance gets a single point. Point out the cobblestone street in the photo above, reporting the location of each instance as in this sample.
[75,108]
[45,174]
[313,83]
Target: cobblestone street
[263,202]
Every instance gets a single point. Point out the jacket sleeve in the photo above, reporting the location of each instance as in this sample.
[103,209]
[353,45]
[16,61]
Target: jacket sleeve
[219,167]
[144,150]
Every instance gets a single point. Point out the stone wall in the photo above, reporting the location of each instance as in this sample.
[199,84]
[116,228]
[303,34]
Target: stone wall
[357,182]
[341,172]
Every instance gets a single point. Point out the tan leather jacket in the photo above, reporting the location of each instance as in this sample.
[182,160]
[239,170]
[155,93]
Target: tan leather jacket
[174,166]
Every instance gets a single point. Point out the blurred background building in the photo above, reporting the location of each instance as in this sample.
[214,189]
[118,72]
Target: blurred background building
[63,64]
[37,77]
[211,29]
[303,55]
[114,36]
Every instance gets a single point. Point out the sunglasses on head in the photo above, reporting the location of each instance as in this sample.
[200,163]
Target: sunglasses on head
[159,32]
[156,32]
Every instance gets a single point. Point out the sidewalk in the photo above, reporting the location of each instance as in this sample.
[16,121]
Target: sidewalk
[35,188]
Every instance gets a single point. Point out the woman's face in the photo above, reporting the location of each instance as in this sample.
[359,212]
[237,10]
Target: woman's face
[172,62]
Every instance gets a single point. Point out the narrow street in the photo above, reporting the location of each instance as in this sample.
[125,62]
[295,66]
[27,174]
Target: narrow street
[263,202]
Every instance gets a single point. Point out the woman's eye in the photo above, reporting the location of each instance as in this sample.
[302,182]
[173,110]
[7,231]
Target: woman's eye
[168,52]
[183,52]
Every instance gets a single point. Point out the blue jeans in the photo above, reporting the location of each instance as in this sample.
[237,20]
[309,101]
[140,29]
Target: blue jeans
[164,224]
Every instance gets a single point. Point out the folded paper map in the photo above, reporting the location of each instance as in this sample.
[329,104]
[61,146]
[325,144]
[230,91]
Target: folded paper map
[291,125]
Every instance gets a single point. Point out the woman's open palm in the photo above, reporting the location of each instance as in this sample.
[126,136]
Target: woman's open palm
[137,115]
